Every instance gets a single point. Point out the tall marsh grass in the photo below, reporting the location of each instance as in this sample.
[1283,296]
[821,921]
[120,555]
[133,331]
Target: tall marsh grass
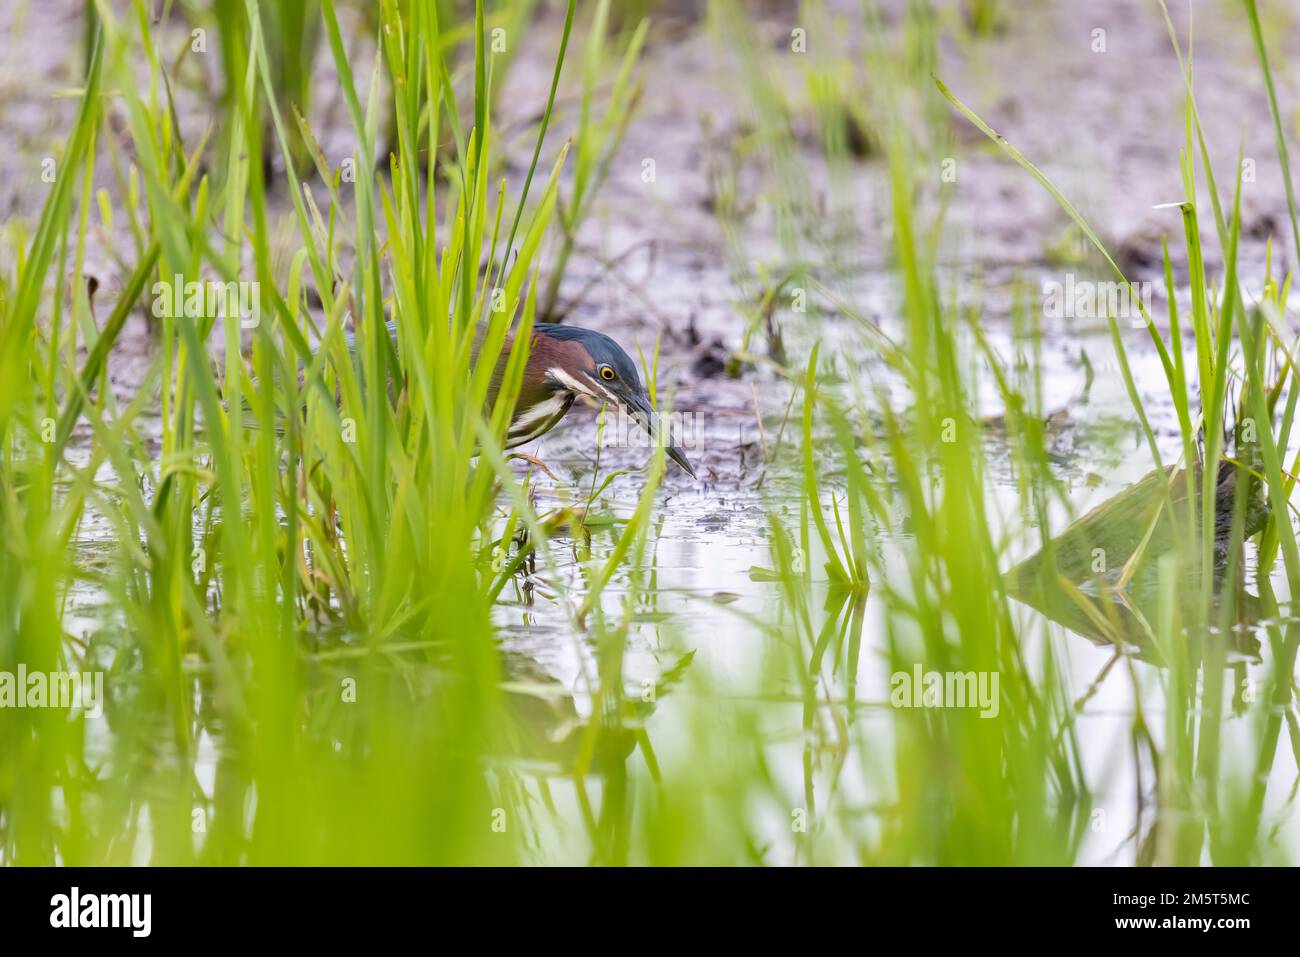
[288,555]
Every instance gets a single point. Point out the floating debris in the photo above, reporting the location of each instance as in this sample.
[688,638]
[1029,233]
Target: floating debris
[1106,564]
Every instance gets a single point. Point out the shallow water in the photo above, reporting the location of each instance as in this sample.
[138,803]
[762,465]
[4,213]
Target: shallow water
[700,610]
[708,537]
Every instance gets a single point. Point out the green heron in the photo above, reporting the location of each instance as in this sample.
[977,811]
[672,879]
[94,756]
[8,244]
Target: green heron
[564,363]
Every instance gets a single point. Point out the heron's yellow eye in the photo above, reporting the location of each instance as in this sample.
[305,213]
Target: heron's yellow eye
[607,373]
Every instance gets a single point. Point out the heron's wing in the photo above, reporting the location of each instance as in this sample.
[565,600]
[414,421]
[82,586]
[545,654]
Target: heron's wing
[499,371]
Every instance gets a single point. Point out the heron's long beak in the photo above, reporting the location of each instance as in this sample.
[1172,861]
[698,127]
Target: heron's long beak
[638,406]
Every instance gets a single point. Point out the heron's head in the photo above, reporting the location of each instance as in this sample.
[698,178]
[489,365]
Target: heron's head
[601,370]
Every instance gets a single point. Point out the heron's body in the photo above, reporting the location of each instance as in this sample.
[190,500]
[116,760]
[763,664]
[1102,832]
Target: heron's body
[543,401]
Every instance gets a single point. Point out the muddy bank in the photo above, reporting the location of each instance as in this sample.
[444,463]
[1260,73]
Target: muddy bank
[1099,112]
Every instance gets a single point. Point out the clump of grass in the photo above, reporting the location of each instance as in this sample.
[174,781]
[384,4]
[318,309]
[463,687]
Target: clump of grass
[1191,813]
[368,510]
